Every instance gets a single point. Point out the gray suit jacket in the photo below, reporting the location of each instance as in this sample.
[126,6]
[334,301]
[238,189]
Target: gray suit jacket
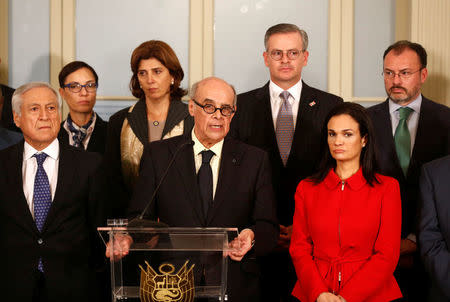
[434,236]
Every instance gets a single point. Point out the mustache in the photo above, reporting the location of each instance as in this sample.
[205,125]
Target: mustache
[397,87]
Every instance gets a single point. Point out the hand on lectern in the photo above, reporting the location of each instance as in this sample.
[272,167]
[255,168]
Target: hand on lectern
[120,246]
[242,243]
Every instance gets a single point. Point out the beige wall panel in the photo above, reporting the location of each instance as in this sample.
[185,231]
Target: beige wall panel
[4,41]
[430,26]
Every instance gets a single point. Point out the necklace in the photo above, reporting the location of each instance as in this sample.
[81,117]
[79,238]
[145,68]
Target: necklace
[155,123]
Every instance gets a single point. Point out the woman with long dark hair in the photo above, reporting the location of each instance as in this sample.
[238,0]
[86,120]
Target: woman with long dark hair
[346,232]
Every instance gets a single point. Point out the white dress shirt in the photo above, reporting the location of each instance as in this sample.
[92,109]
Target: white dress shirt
[412,121]
[88,131]
[275,100]
[29,169]
[215,160]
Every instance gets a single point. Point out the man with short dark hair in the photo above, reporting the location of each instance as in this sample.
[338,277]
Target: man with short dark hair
[410,130]
[215,182]
[285,118]
[49,207]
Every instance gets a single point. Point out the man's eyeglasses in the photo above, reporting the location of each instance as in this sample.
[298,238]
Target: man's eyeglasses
[76,87]
[210,109]
[292,54]
[404,74]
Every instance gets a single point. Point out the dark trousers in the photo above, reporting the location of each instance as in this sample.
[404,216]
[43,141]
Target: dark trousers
[278,278]
[413,282]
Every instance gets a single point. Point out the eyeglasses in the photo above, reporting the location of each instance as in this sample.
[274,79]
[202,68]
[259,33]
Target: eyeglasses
[404,74]
[76,87]
[292,54]
[210,109]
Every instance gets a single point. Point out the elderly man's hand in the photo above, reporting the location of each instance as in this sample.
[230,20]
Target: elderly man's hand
[122,243]
[242,244]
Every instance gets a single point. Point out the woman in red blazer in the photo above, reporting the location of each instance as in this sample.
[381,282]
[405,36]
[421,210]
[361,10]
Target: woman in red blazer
[346,233]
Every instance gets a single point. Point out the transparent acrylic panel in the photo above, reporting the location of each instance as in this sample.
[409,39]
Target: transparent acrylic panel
[107,32]
[374,32]
[179,262]
[239,31]
[29,41]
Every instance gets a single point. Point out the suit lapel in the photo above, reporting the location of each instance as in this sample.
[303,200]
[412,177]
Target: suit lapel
[66,178]
[185,165]
[138,121]
[229,163]
[177,112]
[20,206]
[424,127]
[97,139]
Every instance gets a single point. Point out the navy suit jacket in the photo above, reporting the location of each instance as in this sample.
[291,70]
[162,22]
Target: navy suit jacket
[434,236]
[244,199]
[432,142]
[9,138]
[253,124]
[68,244]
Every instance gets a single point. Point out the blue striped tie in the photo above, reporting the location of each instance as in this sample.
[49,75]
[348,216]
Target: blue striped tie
[42,196]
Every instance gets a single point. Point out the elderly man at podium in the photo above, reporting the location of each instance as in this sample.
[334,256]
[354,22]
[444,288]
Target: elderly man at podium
[206,179]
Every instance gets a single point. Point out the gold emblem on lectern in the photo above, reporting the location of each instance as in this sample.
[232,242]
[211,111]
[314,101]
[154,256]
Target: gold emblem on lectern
[167,287]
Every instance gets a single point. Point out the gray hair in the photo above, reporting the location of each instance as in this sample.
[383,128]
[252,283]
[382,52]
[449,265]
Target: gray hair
[17,99]
[284,28]
[194,87]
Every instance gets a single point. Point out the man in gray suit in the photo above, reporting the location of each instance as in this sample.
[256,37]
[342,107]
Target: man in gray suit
[434,236]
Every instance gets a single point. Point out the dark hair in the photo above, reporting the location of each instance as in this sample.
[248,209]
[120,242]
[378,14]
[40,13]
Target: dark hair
[72,67]
[284,28]
[163,53]
[367,159]
[399,46]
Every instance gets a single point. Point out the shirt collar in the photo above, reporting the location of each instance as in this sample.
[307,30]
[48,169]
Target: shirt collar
[355,182]
[51,150]
[414,105]
[276,90]
[198,146]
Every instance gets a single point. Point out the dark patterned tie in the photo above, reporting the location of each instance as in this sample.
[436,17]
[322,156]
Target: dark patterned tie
[42,197]
[402,139]
[284,127]
[205,180]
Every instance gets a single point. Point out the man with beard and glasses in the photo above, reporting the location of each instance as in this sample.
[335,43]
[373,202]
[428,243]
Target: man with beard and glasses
[410,131]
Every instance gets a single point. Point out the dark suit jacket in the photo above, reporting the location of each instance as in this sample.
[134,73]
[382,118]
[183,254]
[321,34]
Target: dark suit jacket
[434,236]
[7,115]
[432,141]
[253,124]
[67,241]
[97,142]
[137,119]
[244,199]
[9,138]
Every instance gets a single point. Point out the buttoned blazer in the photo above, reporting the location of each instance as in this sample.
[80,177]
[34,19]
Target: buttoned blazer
[432,142]
[68,244]
[434,235]
[244,199]
[97,142]
[253,124]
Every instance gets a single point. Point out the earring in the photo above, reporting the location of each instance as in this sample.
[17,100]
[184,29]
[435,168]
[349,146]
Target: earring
[172,82]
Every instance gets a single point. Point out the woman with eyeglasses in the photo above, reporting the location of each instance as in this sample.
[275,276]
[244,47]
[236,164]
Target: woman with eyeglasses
[346,232]
[158,114]
[83,128]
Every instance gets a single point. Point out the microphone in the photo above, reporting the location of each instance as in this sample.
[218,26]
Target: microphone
[139,221]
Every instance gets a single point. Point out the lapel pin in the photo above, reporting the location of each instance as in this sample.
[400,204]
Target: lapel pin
[312,103]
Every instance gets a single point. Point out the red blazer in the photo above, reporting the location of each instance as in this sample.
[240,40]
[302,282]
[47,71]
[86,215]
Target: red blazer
[346,238]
